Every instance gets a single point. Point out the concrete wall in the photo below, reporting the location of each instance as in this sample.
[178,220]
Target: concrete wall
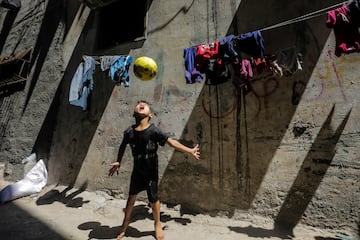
[39,26]
[260,153]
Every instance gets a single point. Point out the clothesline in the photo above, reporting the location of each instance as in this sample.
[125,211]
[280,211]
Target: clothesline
[306,16]
[82,82]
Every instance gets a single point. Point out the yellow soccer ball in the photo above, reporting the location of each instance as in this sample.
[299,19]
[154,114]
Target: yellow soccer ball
[145,68]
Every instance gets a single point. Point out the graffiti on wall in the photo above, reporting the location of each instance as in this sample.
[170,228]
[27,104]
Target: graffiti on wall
[332,76]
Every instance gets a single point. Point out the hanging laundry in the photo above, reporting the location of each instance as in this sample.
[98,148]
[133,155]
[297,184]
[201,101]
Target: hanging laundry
[246,69]
[286,62]
[82,83]
[216,72]
[261,65]
[251,43]
[354,12]
[208,60]
[119,70]
[192,75]
[228,47]
[105,62]
[243,68]
[347,35]
[243,71]
[204,53]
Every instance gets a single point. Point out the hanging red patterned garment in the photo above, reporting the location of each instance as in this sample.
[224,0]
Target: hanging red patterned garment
[346,32]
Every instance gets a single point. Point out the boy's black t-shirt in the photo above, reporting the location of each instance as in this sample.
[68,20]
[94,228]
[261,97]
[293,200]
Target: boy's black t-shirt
[144,145]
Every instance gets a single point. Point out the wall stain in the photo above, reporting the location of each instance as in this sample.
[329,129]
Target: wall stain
[337,75]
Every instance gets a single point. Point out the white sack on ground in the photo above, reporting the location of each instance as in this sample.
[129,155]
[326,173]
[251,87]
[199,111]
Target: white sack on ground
[32,183]
[29,159]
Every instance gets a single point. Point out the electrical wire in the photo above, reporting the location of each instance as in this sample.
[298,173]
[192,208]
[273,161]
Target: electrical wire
[306,16]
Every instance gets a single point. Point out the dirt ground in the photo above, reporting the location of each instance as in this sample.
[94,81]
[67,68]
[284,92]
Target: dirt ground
[58,212]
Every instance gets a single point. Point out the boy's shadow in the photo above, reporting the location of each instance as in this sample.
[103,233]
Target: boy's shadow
[139,212]
[69,200]
[142,211]
[105,232]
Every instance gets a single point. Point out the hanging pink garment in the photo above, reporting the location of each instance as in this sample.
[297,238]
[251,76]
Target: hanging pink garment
[346,32]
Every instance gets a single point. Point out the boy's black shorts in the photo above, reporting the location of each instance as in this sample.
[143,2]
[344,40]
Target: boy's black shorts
[140,183]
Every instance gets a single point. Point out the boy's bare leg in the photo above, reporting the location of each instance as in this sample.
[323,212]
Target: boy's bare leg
[159,234]
[129,206]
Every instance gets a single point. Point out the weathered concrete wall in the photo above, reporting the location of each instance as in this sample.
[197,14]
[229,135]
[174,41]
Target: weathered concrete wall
[260,153]
[42,25]
[41,28]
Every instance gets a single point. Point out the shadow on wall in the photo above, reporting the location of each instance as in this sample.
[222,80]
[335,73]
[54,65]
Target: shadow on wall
[182,10]
[43,142]
[55,13]
[308,180]
[52,18]
[8,22]
[239,134]
[67,131]
[311,174]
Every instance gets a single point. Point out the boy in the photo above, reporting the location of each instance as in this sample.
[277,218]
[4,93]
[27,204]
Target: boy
[144,138]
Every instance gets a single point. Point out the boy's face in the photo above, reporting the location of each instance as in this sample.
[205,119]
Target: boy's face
[142,109]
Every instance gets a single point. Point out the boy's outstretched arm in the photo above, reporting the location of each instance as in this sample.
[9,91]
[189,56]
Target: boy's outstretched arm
[115,166]
[195,151]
